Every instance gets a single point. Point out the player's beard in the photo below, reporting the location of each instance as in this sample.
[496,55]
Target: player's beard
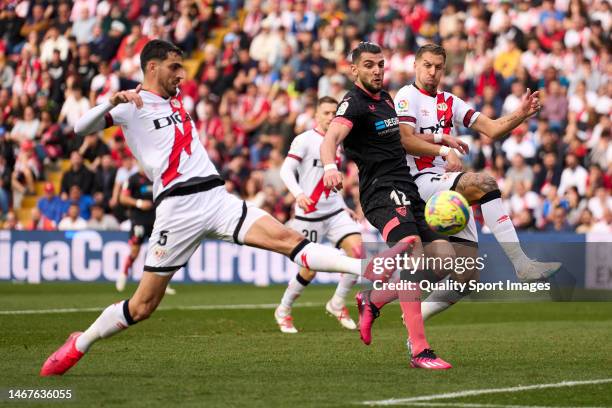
[431,88]
[172,90]
[371,87]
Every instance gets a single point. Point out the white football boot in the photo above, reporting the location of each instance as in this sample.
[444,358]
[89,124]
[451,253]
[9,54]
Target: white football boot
[284,320]
[535,270]
[342,315]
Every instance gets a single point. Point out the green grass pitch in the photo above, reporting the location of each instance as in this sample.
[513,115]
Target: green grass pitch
[237,357]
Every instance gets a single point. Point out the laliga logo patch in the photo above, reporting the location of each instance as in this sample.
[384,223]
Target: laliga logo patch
[175,103]
[342,108]
[442,106]
[402,104]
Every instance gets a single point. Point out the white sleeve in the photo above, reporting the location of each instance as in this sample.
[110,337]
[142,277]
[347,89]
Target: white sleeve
[93,120]
[298,149]
[287,174]
[463,113]
[122,114]
[404,108]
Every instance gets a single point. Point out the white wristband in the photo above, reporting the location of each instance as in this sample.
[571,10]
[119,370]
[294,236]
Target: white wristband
[138,203]
[331,166]
[444,151]
[437,137]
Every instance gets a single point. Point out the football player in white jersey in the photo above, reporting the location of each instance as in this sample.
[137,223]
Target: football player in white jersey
[189,195]
[431,115]
[319,213]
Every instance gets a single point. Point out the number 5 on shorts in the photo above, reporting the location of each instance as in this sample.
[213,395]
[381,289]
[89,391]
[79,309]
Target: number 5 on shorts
[163,237]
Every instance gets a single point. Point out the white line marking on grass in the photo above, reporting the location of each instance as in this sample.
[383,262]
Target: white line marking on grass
[253,306]
[452,395]
[467,405]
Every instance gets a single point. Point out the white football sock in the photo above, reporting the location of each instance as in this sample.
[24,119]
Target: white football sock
[111,321]
[498,221]
[296,286]
[342,290]
[321,258]
[438,301]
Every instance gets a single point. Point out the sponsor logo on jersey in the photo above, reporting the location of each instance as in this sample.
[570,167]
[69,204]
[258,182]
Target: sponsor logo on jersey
[436,129]
[173,119]
[442,106]
[424,112]
[342,108]
[383,124]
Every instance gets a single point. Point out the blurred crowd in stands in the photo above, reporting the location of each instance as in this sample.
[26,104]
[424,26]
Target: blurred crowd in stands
[258,67]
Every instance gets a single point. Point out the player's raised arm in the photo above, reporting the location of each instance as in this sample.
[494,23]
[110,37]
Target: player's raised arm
[336,133]
[497,128]
[97,118]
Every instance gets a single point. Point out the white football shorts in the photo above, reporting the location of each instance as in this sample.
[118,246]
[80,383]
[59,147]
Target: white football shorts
[335,226]
[181,222]
[431,183]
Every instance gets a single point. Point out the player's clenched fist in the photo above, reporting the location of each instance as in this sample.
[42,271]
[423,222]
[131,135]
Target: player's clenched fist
[127,96]
[332,180]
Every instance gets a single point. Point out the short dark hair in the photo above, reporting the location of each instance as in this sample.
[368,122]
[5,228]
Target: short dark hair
[364,46]
[157,49]
[326,99]
[432,48]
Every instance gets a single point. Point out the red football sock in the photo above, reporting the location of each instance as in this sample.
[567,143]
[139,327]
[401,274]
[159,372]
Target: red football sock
[410,303]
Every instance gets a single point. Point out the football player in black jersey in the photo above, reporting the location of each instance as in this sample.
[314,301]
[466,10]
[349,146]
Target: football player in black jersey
[368,127]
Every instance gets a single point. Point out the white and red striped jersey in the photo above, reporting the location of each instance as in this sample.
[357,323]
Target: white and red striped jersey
[305,148]
[164,140]
[431,114]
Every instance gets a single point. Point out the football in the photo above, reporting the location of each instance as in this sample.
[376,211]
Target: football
[447,212]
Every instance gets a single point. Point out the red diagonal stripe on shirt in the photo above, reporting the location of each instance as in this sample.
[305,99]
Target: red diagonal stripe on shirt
[316,195]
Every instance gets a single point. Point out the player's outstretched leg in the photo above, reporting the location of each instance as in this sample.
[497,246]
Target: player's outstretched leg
[369,302]
[114,318]
[441,299]
[296,286]
[270,234]
[422,356]
[482,188]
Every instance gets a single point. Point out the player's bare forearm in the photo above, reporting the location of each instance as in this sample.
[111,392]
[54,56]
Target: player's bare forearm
[415,145]
[505,124]
[333,137]
[428,137]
